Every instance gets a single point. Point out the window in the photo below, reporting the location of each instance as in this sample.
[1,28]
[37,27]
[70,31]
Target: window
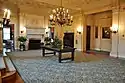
[106,32]
[6,33]
[96,32]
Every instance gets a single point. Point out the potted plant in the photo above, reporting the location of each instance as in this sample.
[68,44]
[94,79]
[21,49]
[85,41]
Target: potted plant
[57,43]
[47,40]
[22,39]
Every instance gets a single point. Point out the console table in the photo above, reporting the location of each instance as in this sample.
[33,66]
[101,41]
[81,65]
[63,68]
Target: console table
[59,51]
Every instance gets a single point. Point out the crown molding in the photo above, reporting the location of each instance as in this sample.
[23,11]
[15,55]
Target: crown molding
[100,9]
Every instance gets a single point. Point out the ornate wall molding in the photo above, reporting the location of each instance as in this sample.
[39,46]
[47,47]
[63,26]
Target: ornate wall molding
[32,20]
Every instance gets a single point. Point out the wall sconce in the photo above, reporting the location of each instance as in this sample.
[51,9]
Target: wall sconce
[79,30]
[22,32]
[114,28]
[47,30]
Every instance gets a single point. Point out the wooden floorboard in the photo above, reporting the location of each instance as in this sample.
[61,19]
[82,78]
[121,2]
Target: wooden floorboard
[18,79]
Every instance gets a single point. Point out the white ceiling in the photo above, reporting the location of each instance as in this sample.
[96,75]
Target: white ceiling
[45,6]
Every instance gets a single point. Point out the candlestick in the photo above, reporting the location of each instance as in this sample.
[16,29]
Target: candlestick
[67,10]
[54,11]
[57,9]
[8,14]
[51,17]
[5,13]
[71,17]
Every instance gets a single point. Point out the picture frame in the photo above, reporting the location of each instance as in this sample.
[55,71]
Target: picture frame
[106,33]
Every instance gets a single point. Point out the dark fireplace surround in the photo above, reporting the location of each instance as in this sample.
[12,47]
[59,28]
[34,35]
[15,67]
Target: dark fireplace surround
[34,44]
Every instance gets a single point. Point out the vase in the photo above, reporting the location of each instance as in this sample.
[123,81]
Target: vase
[22,43]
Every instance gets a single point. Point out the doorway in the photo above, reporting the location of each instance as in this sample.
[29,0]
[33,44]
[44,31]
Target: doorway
[88,31]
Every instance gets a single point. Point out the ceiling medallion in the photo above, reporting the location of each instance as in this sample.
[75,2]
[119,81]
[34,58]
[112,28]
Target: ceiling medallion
[60,16]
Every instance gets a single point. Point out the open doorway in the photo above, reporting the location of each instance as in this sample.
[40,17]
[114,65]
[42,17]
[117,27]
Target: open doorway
[88,31]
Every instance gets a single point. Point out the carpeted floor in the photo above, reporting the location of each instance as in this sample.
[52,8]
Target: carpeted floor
[34,68]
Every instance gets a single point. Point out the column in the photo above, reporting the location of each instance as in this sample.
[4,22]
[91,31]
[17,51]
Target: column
[118,39]
[17,29]
[84,17]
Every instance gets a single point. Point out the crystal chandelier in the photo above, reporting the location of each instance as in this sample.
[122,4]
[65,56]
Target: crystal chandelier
[60,16]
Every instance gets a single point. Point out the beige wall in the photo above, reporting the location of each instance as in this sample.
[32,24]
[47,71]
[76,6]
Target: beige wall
[31,21]
[103,19]
[77,23]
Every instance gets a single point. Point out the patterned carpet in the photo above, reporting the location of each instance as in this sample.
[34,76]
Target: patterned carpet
[34,68]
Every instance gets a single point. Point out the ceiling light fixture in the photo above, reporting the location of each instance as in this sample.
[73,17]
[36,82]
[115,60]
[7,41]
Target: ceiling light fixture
[60,16]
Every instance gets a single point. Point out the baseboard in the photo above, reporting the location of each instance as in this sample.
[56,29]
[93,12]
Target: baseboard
[16,48]
[79,49]
[113,55]
[97,49]
[103,50]
[119,56]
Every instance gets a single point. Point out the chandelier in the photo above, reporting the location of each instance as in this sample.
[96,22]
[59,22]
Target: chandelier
[60,16]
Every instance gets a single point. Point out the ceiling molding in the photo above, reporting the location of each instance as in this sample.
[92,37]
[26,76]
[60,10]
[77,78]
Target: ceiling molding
[97,10]
[43,7]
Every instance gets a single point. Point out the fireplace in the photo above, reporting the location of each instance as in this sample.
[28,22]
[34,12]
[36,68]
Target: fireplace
[34,44]
[34,35]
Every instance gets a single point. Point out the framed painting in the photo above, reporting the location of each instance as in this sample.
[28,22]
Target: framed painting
[106,33]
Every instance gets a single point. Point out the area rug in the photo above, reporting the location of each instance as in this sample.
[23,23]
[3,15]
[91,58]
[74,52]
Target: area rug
[34,68]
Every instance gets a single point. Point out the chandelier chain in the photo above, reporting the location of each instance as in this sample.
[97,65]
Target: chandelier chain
[61,3]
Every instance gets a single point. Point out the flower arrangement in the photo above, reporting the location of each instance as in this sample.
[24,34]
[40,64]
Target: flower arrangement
[47,40]
[57,43]
[22,39]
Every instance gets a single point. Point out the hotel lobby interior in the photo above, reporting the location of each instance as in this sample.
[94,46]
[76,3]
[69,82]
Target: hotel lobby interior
[62,41]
